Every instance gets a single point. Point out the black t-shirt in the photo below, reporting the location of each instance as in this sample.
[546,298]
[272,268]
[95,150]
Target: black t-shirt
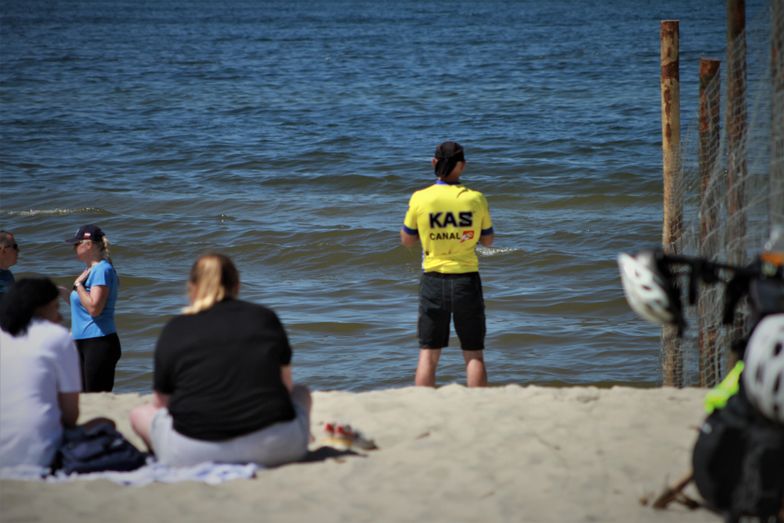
[221,367]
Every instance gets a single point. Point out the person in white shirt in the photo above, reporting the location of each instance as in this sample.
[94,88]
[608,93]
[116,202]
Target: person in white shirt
[40,379]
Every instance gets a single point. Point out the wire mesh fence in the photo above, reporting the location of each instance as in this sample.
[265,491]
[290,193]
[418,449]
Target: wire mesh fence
[730,184]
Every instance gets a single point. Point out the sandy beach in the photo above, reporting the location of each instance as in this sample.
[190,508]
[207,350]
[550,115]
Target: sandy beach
[512,453]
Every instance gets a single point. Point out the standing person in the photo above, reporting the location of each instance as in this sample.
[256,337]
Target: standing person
[93,300]
[222,382]
[39,374]
[9,254]
[449,220]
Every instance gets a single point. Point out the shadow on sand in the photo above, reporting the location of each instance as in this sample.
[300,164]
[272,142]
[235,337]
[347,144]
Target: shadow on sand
[324,453]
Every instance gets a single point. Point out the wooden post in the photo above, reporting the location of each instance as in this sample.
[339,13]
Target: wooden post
[672,368]
[736,128]
[777,114]
[736,146]
[710,138]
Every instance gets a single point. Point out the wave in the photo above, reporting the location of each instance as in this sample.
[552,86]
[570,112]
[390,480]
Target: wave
[496,251]
[89,211]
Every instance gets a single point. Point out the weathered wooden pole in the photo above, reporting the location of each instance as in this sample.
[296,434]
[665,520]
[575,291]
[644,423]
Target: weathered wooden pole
[672,368]
[736,129]
[777,114]
[710,141]
[736,147]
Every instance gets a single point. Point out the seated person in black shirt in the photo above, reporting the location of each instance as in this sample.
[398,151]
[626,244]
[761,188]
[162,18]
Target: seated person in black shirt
[223,389]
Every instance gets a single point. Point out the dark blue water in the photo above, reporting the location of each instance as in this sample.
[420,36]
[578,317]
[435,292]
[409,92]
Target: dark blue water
[289,135]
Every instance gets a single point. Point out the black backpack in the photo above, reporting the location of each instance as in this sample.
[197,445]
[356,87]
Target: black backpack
[738,462]
[96,449]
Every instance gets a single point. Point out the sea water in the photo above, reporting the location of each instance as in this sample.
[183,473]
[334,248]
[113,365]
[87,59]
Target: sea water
[290,135]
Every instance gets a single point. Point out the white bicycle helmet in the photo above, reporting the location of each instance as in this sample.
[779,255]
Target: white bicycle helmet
[763,375]
[650,293]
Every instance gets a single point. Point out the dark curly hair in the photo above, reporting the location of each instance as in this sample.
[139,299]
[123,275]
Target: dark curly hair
[21,301]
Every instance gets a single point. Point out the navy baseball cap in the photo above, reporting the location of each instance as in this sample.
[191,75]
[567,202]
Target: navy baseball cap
[86,232]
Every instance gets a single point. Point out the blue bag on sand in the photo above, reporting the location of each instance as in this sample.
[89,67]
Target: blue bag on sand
[95,449]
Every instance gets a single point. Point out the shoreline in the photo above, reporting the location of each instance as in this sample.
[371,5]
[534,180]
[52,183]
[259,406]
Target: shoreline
[507,453]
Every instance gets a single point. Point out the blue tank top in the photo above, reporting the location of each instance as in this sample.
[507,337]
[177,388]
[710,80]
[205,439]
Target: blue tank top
[83,325]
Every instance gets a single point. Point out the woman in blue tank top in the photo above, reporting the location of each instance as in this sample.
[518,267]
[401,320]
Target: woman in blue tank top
[92,310]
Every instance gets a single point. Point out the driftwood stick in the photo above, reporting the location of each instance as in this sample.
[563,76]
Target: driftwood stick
[673,492]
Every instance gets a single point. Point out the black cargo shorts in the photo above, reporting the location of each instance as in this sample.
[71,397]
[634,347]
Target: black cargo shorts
[446,296]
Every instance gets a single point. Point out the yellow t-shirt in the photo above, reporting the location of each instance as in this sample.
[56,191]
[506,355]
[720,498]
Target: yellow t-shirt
[449,220]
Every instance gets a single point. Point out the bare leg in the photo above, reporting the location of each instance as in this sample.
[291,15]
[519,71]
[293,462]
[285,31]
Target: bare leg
[426,369]
[476,373]
[141,422]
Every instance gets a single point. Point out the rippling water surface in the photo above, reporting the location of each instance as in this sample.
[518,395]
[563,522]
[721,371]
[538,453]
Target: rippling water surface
[289,135]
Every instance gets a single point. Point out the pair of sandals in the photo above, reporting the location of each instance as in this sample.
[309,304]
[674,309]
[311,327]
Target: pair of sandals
[345,437]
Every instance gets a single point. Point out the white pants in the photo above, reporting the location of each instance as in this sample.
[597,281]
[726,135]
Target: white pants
[276,444]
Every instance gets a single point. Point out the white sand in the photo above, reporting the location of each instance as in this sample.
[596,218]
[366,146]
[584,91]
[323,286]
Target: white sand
[522,454]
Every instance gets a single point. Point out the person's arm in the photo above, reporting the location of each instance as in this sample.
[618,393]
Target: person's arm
[409,232]
[285,375]
[486,239]
[69,407]
[163,385]
[408,239]
[160,401]
[487,234]
[93,300]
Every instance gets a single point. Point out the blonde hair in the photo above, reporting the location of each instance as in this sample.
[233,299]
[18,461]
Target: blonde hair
[213,277]
[103,245]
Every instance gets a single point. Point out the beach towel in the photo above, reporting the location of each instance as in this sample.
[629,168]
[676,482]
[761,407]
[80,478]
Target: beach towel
[209,473]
